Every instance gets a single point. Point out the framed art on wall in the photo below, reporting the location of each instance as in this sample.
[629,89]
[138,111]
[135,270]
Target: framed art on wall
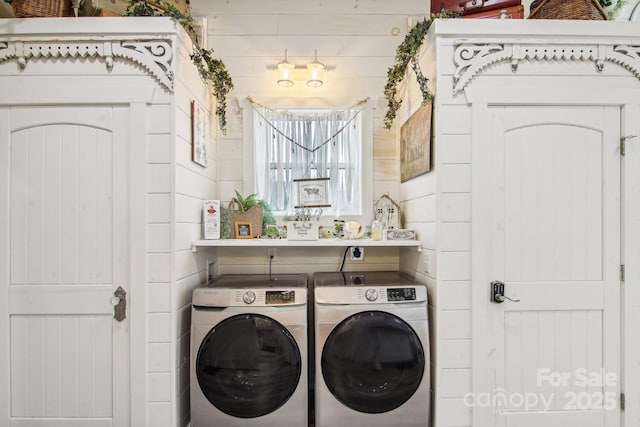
[415,144]
[313,193]
[199,134]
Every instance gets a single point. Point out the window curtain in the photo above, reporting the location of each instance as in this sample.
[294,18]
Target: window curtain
[290,145]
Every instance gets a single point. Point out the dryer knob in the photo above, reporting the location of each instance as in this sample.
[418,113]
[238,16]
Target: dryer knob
[249,297]
[371,294]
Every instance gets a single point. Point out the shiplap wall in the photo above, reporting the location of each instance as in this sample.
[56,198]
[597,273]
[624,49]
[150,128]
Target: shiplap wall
[192,185]
[356,39]
[176,189]
[439,204]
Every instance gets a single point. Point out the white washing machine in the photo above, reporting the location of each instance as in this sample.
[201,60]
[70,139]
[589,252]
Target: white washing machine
[372,350]
[249,352]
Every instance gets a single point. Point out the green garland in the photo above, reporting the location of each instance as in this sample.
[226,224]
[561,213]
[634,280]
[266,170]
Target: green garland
[406,53]
[211,70]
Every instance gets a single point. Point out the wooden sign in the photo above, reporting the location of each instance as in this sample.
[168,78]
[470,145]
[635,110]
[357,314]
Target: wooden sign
[415,144]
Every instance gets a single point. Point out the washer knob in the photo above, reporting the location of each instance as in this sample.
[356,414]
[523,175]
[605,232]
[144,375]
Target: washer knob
[249,297]
[371,294]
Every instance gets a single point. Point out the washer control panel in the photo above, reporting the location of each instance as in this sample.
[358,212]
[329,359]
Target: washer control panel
[255,297]
[268,297]
[401,294]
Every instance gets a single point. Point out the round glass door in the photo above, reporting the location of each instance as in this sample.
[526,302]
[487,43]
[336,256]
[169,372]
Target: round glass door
[373,362]
[248,365]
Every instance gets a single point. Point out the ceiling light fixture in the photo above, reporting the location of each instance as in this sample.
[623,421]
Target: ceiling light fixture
[285,72]
[316,72]
[312,73]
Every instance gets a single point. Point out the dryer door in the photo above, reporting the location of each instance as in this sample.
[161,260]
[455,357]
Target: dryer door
[373,362]
[248,365]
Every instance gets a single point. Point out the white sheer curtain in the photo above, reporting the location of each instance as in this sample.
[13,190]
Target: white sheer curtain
[290,145]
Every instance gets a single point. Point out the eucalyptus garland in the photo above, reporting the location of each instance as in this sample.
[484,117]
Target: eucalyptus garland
[406,53]
[211,70]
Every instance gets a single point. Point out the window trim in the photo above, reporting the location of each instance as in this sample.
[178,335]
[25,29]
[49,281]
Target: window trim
[366,215]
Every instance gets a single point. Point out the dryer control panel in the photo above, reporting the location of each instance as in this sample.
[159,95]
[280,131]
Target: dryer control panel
[341,295]
[261,297]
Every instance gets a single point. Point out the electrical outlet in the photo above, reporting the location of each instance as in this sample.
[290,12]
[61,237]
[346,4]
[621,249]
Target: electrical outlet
[210,272]
[357,254]
[272,254]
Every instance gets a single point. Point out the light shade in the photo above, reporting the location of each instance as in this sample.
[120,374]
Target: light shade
[285,72]
[316,72]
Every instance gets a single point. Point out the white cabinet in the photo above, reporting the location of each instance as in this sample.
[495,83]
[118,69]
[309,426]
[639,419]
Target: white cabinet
[531,189]
[98,193]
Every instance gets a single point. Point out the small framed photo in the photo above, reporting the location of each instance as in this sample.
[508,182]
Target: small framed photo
[199,134]
[313,193]
[243,230]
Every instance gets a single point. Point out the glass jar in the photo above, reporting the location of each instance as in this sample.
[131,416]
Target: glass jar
[376,230]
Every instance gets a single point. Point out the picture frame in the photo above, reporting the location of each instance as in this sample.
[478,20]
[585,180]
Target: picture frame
[313,192]
[244,230]
[415,143]
[199,134]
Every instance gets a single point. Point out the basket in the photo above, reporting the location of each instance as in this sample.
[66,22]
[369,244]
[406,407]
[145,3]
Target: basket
[40,8]
[567,9]
[252,215]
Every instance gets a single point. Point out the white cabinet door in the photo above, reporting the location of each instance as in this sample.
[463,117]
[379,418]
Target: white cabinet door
[66,200]
[553,239]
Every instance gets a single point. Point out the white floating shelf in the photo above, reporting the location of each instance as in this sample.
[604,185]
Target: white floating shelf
[321,243]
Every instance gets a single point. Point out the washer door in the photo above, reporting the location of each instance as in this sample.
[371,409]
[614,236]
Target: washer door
[248,365]
[373,362]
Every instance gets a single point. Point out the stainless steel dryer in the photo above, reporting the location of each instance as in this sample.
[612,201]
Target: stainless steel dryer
[249,352]
[372,350]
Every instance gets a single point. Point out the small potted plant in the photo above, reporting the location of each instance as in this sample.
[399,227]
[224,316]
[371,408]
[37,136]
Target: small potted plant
[246,209]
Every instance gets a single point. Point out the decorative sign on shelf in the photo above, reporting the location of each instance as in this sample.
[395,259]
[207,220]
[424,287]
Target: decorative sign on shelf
[415,144]
[313,193]
[400,235]
[199,134]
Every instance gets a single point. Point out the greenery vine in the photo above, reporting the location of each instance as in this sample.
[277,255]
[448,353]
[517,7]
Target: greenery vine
[612,8]
[212,70]
[406,54]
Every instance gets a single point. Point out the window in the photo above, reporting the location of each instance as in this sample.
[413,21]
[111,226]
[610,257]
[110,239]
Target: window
[295,144]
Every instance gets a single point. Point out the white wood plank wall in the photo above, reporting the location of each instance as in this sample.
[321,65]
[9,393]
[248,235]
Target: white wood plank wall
[356,38]
[359,43]
[438,205]
[192,185]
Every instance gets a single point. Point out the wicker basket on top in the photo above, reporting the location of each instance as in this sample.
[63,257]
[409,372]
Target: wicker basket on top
[567,9]
[40,8]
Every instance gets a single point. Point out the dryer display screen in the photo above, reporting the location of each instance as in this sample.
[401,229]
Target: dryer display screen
[280,297]
[401,294]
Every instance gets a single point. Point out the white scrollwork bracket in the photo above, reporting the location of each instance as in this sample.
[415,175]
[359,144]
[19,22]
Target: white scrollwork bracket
[470,59]
[627,57]
[155,57]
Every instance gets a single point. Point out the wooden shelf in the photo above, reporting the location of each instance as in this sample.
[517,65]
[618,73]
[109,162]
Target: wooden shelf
[322,243]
